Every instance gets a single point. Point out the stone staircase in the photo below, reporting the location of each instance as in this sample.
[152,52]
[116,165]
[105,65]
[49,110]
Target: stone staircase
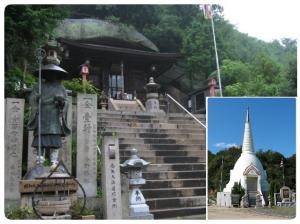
[175,146]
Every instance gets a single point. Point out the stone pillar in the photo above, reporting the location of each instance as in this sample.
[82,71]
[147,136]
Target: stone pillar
[65,153]
[86,168]
[111,179]
[14,119]
[152,102]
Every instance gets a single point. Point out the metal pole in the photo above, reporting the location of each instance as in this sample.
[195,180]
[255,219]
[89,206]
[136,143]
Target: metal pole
[40,54]
[216,53]
[122,75]
[221,175]
[283,176]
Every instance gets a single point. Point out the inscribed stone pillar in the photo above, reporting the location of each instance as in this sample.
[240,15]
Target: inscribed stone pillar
[65,153]
[14,119]
[86,168]
[111,178]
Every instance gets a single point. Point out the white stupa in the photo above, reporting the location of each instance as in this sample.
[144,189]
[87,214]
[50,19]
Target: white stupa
[248,169]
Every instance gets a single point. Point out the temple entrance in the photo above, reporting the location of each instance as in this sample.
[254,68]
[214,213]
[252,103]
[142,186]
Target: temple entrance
[252,190]
[252,183]
[116,85]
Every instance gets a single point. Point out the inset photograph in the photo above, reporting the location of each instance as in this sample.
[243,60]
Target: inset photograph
[251,158]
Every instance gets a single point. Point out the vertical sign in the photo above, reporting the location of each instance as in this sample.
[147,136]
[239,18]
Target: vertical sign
[14,115]
[111,178]
[86,168]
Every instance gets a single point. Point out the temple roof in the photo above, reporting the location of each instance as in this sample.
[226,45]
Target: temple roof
[122,50]
[95,30]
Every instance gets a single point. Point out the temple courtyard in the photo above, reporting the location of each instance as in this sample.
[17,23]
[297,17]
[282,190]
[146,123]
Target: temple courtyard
[223,213]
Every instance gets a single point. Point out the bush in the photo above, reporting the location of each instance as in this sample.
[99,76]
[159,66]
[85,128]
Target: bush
[76,86]
[238,189]
[21,213]
[76,210]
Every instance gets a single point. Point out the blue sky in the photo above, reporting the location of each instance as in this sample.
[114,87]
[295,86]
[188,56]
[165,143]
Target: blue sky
[273,123]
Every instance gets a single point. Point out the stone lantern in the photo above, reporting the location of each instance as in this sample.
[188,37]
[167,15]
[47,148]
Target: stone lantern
[103,101]
[152,102]
[138,209]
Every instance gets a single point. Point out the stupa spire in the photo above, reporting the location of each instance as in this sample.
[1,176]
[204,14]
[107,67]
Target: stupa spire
[248,141]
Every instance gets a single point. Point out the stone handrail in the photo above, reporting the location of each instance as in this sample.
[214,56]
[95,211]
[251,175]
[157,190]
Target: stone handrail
[182,107]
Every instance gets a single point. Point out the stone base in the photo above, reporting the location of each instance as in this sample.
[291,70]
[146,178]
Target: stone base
[142,216]
[57,217]
[286,204]
[139,210]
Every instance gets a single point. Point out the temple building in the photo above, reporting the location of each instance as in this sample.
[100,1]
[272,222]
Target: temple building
[248,169]
[122,60]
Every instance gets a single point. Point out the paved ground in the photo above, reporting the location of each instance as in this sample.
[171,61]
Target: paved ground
[239,213]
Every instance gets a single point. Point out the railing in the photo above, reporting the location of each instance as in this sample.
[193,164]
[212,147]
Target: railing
[182,107]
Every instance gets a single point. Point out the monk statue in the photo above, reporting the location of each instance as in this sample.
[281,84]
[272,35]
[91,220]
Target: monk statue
[54,107]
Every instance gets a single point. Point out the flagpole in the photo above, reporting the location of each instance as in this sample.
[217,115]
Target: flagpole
[221,175]
[216,52]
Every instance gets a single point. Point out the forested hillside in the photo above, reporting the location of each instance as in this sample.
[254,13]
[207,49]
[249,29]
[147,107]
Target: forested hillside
[269,159]
[248,66]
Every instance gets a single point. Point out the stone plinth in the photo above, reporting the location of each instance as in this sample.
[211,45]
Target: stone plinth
[111,180]
[87,142]
[14,115]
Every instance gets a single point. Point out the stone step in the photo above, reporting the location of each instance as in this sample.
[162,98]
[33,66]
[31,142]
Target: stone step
[178,212]
[152,120]
[169,159]
[185,115]
[148,114]
[192,122]
[156,135]
[151,130]
[176,167]
[150,125]
[137,125]
[152,153]
[162,175]
[163,203]
[199,147]
[174,192]
[160,141]
[175,183]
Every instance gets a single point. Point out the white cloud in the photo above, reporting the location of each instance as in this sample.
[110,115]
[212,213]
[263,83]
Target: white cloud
[262,19]
[223,145]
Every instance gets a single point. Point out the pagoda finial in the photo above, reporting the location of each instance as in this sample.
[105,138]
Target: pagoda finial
[248,115]
[248,142]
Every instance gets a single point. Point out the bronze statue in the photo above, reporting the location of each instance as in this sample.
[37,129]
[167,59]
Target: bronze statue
[54,107]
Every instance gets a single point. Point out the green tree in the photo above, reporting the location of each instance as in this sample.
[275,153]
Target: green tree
[26,28]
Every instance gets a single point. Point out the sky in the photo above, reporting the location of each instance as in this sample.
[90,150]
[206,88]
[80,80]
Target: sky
[266,20]
[273,123]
